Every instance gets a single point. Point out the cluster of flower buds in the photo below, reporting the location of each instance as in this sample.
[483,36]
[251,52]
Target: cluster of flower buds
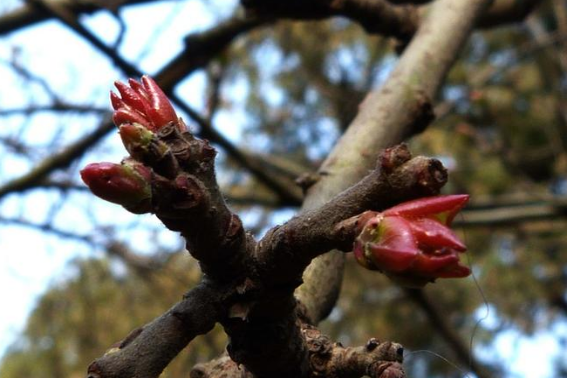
[412,242]
[141,110]
[143,103]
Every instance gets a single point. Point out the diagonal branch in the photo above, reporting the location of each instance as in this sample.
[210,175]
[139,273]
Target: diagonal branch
[204,46]
[399,109]
[148,350]
[208,44]
[201,48]
[58,161]
[462,352]
[27,14]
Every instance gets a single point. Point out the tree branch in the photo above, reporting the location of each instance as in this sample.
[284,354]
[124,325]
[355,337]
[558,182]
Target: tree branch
[255,281]
[201,48]
[58,161]
[27,15]
[462,352]
[508,215]
[148,350]
[326,358]
[264,335]
[375,16]
[398,110]
[506,12]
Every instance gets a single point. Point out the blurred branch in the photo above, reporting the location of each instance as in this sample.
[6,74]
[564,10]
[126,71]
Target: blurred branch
[63,185]
[211,42]
[60,11]
[57,161]
[409,1]
[400,20]
[376,16]
[142,264]
[56,107]
[215,74]
[202,47]
[28,14]
[46,227]
[433,314]
[503,12]
[508,215]
[29,76]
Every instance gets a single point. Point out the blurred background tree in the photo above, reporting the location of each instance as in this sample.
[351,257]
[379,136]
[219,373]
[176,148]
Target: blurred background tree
[279,95]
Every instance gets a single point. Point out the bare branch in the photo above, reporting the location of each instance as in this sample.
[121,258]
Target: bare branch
[326,359]
[212,42]
[57,107]
[463,353]
[148,350]
[508,215]
[375,16]
[28,15]
[201,48]
[256,305]
[506,12]
[263,332]
[57,161]
[60,11]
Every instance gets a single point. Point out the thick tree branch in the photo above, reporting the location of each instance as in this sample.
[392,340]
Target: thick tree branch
[256,307]
[148,350]
[264,335]
[399,19]
[326,359]
[375,16]
[398,110]
[397,178]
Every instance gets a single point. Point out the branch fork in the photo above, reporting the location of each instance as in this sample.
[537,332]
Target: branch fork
[248,285]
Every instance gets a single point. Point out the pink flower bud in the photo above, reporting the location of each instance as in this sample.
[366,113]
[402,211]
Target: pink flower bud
[411,242]
[143,103]
[127,184]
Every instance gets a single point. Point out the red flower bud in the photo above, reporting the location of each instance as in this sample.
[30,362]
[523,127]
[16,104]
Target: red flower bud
[143,103]
[412,242]
[127,184]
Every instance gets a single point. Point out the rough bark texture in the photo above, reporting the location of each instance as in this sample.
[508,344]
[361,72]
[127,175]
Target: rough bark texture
[326,359]
[137,356]
[249,286]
